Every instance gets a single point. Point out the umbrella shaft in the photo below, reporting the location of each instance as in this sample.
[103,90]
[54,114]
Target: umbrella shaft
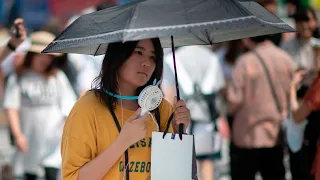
[175,68]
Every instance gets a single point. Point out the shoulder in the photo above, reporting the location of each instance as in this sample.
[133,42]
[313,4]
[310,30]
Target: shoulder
[288,45]
[89,101]
[281,55]
[165,104]
[60,74]
[83,113]
[243,60]
[165,109]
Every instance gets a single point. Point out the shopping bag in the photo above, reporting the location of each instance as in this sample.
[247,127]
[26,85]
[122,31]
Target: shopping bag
[172,158]
[208,141]
[295,134]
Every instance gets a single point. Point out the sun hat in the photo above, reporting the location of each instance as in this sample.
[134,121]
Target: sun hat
[40,40]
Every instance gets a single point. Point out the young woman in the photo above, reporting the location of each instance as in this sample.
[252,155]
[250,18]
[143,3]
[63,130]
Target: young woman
[92,147]
[308,108]
[38,99]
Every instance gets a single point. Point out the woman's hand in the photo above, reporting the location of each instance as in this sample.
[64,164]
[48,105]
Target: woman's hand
[17,28]
[298,76]
[134,129]
[21,143]
[181,115]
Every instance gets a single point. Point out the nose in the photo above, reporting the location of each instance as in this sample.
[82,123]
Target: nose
[306,25]
[146,62]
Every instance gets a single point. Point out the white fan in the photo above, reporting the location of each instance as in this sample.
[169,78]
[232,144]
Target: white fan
[149,99]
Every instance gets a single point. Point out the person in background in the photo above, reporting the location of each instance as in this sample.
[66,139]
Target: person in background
[90,67]
[306,163]
[37,99]
[300,48]
[306,58]
[272,5]
[200,87]
[257,120]
[13,43]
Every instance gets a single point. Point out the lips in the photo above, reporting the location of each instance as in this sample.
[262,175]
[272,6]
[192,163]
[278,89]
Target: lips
[143,73]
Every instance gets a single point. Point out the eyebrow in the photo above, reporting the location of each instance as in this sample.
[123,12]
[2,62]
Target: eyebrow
[139,47]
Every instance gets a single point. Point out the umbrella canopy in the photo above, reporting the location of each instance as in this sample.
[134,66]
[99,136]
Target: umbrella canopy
[190,22]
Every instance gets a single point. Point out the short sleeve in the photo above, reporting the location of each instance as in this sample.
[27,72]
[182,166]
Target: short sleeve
[79,139]
[75,154]
[66,93]
[12,94]
[165,112]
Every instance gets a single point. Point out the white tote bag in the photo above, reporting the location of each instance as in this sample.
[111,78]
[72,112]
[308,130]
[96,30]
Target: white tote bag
[294,133]
[207,140]
[172,158]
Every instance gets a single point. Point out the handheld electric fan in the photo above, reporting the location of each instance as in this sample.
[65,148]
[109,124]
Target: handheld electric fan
[150,98]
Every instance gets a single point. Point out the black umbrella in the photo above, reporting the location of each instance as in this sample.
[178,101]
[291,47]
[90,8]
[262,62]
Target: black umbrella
[175,22]
[191,22]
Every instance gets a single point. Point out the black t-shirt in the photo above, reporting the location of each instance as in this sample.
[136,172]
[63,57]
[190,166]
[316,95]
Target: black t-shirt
[312,135]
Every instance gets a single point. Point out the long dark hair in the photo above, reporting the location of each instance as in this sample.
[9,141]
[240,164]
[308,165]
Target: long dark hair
[116,55]
[28,60]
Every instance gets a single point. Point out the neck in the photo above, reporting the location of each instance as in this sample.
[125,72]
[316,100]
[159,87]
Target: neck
[127,90]
[304,40]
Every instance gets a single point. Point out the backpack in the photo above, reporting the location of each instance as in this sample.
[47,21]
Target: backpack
[202,106]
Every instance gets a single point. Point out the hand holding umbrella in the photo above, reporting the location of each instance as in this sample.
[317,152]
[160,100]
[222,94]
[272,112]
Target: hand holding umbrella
[196,22]
[181,117]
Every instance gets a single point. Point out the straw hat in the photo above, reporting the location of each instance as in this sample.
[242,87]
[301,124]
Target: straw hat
[40,40]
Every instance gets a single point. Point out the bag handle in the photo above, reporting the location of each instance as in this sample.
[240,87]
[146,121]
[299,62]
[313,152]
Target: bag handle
[269,81]
[280,139]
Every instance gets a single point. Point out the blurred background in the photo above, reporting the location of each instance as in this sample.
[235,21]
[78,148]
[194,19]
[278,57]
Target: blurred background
[54,15]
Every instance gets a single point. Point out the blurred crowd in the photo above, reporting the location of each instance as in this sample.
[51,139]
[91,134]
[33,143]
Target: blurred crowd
[249,93]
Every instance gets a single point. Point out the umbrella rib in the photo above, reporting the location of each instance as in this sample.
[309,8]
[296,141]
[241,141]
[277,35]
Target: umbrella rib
[199,38]
[167,27]
[188,20]
[130,20]
[97,50]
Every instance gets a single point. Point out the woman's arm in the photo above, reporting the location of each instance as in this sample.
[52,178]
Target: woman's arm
[79,160]
[14,42]
[13,116]
[14,122]
[300,110]
[301,113]
[102,163]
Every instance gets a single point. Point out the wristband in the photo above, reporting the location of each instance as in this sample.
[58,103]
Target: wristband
[11,47]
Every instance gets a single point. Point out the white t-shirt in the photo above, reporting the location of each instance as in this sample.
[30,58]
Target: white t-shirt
[43,104]
[195,64]
[89,68]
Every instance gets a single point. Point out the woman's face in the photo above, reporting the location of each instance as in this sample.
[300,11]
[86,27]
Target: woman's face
[313,21]
[305,28]
[139,67]
[41,62]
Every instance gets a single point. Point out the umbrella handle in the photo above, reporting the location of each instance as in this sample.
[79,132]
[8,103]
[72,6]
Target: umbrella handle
[181,126]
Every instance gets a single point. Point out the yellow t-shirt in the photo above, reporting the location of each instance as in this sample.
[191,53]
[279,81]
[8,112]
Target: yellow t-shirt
[90,129]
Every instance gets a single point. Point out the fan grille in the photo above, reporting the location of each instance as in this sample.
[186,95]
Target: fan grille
[150,98]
